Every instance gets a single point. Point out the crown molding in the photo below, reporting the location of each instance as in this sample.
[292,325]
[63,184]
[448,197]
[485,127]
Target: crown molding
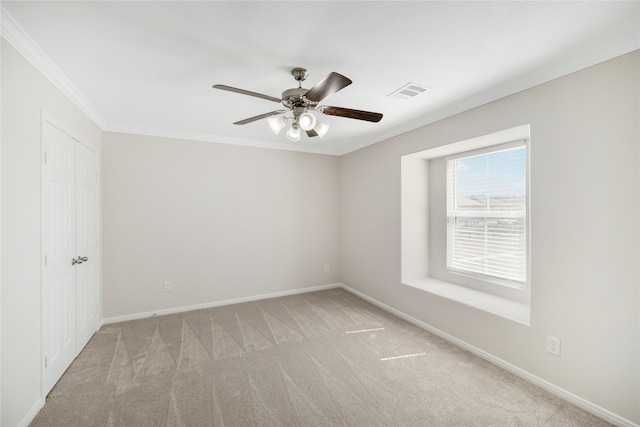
[203,137]
[22,42]
[17,37]
[540,75]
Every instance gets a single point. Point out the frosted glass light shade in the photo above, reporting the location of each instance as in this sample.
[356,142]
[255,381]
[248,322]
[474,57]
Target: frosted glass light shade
[277,124]
[293,134]
[321,128]
[307,121]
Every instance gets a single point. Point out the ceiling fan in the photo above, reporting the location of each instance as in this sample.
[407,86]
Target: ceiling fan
[301,102]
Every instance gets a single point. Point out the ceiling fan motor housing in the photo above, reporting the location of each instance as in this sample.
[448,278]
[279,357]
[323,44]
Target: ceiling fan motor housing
[292,98]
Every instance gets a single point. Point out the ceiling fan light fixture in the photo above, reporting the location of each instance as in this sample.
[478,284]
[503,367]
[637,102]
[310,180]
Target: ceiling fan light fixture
[293,134]
[321,128]
[277,123]
[307,121]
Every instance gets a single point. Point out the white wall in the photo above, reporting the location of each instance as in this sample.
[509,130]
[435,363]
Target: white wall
[585,226]
[218,221]
[25,93]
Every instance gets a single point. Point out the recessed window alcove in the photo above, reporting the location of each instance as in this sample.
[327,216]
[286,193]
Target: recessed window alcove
[424,238]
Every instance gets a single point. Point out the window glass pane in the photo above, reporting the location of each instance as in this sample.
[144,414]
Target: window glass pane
[486,214]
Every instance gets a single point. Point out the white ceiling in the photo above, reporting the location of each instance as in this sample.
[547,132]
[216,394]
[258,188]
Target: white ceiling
[148,66]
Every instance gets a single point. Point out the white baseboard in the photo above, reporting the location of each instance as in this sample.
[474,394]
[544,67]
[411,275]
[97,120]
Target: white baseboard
[33,412]
[560,392]
[174,310]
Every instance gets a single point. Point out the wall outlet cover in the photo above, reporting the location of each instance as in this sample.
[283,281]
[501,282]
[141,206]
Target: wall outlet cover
[553,345]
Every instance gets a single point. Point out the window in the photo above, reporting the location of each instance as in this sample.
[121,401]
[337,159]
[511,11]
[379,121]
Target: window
[492,273]
[487,214]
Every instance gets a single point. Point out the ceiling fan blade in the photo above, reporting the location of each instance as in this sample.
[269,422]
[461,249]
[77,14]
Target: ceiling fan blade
[351,114]
[311,133]
[259,117]
[327,86]
[247,92]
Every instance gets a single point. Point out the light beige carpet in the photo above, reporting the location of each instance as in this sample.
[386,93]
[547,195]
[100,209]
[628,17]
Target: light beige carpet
[318,359]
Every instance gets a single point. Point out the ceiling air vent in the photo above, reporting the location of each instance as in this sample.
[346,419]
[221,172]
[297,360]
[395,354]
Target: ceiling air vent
[408,91]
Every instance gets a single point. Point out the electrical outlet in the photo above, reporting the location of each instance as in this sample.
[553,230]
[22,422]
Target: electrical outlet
[327,268]
[167,287]
[553,345]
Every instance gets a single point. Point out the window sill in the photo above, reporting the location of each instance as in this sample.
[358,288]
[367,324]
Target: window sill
[503,307]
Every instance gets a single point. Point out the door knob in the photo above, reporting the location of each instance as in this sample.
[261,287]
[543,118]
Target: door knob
[79,260]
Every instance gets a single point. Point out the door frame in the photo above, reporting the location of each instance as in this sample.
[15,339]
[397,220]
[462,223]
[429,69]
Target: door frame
[48,118]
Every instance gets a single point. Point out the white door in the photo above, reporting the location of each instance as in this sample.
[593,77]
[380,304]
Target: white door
[70,250]
[58,241]
[87,303]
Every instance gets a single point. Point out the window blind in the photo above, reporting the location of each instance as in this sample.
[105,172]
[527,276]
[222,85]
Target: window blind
[487,213]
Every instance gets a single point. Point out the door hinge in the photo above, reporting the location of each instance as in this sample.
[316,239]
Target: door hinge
[45,158]
[46,364]
[45,260]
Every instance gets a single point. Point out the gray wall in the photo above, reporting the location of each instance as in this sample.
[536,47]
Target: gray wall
[219,221]
[585,229]
[25,94]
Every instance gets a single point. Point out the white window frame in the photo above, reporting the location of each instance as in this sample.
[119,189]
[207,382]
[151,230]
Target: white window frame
[452,213]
